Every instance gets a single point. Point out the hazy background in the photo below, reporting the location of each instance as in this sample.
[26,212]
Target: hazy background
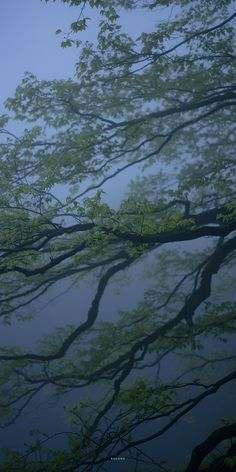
[28,43]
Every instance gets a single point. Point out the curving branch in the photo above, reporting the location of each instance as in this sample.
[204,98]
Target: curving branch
[203,449]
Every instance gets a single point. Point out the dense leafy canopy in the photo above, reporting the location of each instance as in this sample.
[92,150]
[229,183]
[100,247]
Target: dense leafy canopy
[161,105]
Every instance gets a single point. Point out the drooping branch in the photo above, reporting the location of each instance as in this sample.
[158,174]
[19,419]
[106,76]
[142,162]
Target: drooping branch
[203,449]
[91,317]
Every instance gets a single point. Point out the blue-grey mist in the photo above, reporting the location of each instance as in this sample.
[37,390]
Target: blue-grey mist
[28,43]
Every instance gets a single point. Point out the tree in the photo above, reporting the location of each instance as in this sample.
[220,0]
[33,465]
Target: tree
[163,105]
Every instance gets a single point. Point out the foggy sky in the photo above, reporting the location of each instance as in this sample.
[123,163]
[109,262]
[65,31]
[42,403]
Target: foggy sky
[28,43]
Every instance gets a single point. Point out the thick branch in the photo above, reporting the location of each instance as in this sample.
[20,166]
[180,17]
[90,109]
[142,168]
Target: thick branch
[204,448]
